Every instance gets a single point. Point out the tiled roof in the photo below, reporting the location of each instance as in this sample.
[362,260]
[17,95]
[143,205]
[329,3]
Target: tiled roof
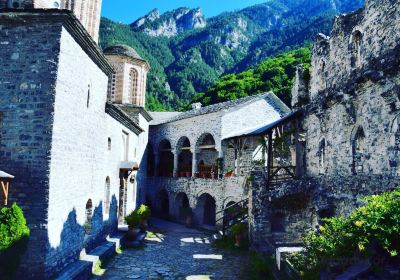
[273,101]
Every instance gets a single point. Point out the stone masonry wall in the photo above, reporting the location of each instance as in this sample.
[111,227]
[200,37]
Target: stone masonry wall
[81,160]
[28,57]
[350,126]
[222,191]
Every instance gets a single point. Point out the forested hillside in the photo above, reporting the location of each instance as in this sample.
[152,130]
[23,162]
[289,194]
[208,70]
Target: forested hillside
[196,51]
[274,74]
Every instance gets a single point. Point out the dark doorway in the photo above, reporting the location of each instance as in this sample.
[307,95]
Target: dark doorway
[208,208]
[184,209]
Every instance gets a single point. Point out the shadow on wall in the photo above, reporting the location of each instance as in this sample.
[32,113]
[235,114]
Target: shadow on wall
[75,237]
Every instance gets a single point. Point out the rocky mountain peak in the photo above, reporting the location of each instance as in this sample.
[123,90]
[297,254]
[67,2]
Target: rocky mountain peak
[170,23]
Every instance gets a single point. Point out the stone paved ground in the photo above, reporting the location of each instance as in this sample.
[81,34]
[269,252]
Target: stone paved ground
[179,253]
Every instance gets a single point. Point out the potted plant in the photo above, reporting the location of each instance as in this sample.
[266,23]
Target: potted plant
[133,221]
[239,231]
[144,213]
[229,173]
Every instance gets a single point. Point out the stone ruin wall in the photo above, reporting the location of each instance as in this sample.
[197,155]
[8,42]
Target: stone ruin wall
[353,103]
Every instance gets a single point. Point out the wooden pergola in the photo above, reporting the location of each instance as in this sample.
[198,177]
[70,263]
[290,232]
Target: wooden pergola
[5,179]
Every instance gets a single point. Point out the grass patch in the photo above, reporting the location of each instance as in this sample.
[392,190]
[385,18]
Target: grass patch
[118,250]
[98,269]
[260,267]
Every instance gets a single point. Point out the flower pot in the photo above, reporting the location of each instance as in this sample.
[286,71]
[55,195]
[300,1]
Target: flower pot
[132,233]
[144,224]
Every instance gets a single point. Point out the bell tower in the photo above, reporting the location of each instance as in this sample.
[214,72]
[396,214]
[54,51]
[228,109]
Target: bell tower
[87,11]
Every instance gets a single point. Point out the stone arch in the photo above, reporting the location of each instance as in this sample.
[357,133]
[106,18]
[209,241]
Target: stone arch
[207,156]
[185,157]
[322,156]
[355,48]
[166,163]
[183,206]
[107,196]
[162,204]
[88,217]
[358,148]
[206,210]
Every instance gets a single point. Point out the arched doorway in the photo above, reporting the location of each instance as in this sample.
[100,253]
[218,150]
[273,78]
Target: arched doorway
[207,209]
[163,204]
[184,158]
[184,210]
[166,164]
[207,156]
[88,217]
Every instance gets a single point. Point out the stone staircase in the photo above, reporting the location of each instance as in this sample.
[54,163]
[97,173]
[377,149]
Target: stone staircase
[82,268]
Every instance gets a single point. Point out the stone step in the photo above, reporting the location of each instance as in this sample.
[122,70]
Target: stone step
[79,270]
[82,269]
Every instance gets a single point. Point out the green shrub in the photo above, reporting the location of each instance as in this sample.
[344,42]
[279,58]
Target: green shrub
[239,228]
[373,227]
[133,219]
[144,212]
[14,235]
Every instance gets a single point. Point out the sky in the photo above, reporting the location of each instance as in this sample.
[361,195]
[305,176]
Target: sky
[127,11]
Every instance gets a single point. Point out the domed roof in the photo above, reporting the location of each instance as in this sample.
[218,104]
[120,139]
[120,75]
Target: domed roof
[122,50]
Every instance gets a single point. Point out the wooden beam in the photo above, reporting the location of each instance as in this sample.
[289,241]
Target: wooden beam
[207,147]
[4,186]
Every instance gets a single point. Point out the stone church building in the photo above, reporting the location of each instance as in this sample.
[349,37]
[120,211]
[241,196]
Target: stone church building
[73,128]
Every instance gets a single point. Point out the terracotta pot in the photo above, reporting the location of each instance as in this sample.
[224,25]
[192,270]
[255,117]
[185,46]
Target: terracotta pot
[239,239]
[132,233]
[144,224]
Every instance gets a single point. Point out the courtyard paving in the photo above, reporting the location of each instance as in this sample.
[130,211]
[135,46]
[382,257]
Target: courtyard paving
[176,252]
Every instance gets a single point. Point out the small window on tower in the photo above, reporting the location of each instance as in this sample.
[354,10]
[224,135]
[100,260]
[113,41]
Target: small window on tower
[109,143]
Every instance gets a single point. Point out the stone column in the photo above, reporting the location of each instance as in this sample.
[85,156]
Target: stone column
[176,153]
[194,163]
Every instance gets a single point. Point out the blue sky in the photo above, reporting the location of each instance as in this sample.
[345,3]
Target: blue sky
[128,11]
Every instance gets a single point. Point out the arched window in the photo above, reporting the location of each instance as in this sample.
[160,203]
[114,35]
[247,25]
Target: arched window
[133,86]
[321,156]
[89,214]
[107,196]
[356,41]
[109,143]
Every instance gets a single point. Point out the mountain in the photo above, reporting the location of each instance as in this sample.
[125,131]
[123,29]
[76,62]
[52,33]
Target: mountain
[170,23]
[188,53]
